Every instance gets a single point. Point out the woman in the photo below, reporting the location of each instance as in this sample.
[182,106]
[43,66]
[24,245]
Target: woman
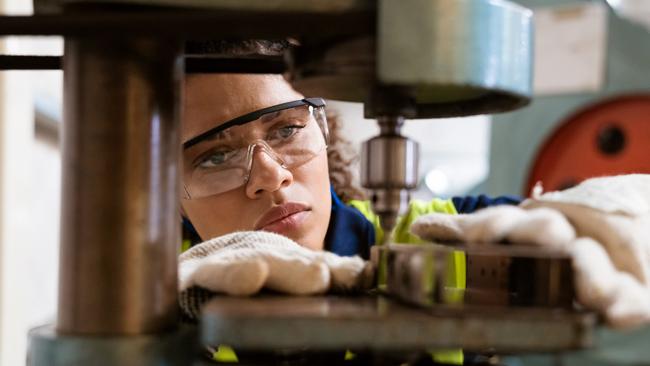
[303,190]
[259,156]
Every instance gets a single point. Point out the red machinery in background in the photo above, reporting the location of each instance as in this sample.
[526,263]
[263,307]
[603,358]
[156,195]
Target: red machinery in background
[577,126]
[609,137]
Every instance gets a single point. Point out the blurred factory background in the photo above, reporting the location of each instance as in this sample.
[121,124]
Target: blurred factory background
[590,116]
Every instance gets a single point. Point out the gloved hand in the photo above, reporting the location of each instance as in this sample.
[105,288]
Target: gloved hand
[242,263]
[603,223]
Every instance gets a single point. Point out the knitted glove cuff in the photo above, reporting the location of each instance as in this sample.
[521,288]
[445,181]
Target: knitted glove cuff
[191,301]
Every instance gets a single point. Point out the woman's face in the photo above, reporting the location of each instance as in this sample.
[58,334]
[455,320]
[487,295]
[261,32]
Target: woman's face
[271,191]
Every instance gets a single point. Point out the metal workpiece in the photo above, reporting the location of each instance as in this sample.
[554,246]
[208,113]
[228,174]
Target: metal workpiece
[460,57]
[383,325]
[120,233]
[47,347]
[498,276]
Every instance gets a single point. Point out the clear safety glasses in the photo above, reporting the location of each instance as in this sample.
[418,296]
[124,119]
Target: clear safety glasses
[221,159]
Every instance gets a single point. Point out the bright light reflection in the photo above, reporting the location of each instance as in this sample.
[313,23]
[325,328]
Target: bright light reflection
[614,3]
[437,181]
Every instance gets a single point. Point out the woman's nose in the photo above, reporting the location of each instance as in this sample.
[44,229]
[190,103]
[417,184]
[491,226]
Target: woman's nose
[266,175]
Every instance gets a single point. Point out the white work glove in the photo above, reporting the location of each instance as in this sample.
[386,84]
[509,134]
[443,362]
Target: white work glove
[603,223]
[243,263]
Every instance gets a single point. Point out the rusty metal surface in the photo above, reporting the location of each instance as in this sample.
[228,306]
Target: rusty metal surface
[381,324]
[119,216]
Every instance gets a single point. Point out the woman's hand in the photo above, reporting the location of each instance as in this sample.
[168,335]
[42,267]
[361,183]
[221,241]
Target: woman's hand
[603,223]
[243,263]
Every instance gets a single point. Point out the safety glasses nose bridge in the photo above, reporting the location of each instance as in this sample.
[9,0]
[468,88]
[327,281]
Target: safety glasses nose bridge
[265,148]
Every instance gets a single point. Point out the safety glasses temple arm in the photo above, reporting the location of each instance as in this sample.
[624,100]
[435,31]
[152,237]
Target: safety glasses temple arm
[249,117]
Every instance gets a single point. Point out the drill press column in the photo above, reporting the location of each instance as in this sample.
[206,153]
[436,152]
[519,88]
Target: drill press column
[119,224]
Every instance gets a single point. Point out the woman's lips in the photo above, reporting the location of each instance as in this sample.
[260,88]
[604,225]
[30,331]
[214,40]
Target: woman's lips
[283,218]
[287,224]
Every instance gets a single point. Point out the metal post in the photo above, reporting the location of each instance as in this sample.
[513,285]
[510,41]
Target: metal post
[121,146]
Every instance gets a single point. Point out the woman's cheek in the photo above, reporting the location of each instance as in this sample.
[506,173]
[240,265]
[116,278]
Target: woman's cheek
[221,214]
[315,178]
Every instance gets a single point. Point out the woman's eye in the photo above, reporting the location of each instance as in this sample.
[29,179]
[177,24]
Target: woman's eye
[215,159]
[287,131]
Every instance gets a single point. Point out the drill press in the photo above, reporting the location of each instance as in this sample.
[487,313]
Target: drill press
[408,59]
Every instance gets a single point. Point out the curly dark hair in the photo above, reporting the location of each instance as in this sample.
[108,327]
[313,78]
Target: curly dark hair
[341,157]
[340,154]
[238,47]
